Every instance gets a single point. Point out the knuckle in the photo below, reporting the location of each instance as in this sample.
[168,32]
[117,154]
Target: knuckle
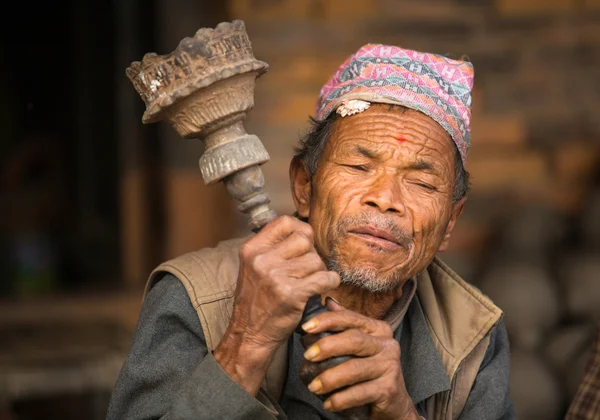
[329,281]
[397,374]
[282,219]
[337,402]
[394,349]
[309,232]
[259,265]
[274,272]
[285,221]
[302,240]
[285,291]
[314,259]
[336,280]
[355,365]
[333,279]
[245,252]
[383,328]
[355,335]
[364,324]
[391,387]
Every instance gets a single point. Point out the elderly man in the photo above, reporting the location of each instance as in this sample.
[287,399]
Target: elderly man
[378,185]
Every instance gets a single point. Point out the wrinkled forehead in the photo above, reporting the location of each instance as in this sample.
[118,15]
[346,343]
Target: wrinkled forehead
[392,125]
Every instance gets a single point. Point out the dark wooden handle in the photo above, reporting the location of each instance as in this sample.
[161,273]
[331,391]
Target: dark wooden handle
[310,370]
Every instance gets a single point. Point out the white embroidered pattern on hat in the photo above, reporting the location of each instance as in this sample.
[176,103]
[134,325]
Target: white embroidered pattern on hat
[353,106]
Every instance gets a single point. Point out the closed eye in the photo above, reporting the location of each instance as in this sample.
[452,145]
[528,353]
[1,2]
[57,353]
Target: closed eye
[426,186]
[361,168]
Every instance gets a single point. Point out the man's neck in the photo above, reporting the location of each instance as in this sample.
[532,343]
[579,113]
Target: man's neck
[373,305]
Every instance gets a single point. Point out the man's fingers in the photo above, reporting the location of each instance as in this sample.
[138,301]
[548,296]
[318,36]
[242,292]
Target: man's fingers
[332,305]
[349,373]
[282,227]
[340,320]
[355,396]
[351,342]
[303,266]
[293,246]
[319,283]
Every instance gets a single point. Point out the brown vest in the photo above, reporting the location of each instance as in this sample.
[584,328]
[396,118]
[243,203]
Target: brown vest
[459,317]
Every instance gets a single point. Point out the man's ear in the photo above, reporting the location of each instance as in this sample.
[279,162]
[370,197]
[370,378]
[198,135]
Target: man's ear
[457,210]
[301,187]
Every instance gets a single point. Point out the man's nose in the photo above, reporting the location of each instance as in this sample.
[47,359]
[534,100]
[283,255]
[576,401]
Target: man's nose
[385,194]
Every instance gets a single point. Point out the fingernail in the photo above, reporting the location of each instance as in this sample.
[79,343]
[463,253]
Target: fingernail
[310,325]
[332,303]
[332,300]
[327,405]
[312,352]
[315,386]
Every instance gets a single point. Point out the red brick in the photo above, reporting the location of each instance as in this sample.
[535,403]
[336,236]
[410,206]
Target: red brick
[287,107]
[256,10]
[575,162]
[419,10]
[344,9]
[470,237]
[196,215]
[567,198]
[507,172]
[590,32]
[534,7]
[497,130]
[477,101]
[300,70]
[592,4]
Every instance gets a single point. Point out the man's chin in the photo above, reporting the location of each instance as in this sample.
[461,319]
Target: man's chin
[373,259]
[379,266]
[369,281]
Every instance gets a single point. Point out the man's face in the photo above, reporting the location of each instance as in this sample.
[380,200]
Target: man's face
[380,202]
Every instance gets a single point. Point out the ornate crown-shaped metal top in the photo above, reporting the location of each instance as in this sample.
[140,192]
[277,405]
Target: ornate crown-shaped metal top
[199,61]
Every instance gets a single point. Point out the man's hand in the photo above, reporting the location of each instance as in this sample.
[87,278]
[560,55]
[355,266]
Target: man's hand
[373,377]
[279,271]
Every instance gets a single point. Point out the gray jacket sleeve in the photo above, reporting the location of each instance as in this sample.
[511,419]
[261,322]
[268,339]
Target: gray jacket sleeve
[168,373]
[490,396]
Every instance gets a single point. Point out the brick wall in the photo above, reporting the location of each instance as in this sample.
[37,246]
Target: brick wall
[537,90]
[535,144]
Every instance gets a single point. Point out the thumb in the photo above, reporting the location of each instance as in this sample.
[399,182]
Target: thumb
[333,305]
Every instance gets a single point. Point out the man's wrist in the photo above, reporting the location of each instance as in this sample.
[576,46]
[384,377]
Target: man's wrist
[245,363]
[411,413]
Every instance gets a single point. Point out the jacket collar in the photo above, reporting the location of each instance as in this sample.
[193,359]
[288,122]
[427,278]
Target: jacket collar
[458,315]
[424,372]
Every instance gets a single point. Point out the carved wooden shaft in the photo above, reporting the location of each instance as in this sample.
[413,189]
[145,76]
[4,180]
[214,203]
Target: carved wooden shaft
[234,157]
[204,89]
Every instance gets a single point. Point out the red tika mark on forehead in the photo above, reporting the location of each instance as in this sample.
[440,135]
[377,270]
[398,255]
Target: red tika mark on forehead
[401,139]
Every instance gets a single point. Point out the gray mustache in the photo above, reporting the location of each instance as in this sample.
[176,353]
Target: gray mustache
[379,222]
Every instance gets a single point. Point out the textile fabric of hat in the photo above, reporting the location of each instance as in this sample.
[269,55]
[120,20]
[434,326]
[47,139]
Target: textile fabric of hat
[438,86]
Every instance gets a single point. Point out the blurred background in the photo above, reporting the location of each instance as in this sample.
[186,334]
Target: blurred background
[91,199]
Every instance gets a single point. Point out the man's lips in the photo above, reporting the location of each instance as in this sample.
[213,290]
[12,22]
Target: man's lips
[379,237]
